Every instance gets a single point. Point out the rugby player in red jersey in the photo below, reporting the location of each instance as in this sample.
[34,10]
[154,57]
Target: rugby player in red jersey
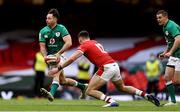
[108,70]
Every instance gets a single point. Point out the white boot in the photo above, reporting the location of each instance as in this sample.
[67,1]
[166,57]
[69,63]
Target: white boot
[170,104]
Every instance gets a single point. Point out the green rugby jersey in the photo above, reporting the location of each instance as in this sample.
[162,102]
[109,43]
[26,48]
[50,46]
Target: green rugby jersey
[53,38]
[171,30]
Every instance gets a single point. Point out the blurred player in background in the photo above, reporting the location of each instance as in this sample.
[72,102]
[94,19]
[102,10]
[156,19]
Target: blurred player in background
[55,40]
[39,68]
[171,32]
[108,70]
[83,75]
[153,70]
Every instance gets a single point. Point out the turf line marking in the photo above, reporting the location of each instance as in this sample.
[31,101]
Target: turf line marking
[89,111]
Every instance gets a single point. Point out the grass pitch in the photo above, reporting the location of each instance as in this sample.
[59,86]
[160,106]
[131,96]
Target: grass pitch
[78,105]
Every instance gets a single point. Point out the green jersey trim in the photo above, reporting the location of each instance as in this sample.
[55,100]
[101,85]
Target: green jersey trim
[176,35]
[65,35]
[42,41]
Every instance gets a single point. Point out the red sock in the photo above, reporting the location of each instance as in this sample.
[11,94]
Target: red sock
[143,94]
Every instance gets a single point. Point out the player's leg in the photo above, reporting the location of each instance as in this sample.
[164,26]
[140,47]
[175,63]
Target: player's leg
[55,84]
[177,74]
[169,74]
[95,83]
[71,82]
[53,88]
[134,91]
[176,82]
[118,82]
[155,87]
[102,76]
[177,78]
[149,87]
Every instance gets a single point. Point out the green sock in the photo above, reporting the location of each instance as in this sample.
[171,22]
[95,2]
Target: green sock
[171,92]
[54,88]
[80,86]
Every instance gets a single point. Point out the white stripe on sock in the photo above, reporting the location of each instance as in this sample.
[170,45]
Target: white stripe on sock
[138,92]
[102,97]
[168,83]
[55,82]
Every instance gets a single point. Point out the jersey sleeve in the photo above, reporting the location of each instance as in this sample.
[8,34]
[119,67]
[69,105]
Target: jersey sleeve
[82,48]
[174,30]
[41,37]
[64,31]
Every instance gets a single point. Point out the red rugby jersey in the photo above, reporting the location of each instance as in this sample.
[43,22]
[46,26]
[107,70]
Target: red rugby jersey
[95,52]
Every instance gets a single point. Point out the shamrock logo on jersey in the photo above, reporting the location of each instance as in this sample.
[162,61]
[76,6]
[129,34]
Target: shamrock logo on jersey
[57,34]
[52,41]
[167,33]
[45,36]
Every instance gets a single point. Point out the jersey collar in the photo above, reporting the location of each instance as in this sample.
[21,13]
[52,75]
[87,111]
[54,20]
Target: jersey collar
[166,23]
[52,28]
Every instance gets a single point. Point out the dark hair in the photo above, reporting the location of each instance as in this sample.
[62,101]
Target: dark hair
[54,12]
[163,12]
[84,34]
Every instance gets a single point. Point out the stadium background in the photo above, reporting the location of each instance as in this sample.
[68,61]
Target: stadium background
[127,29]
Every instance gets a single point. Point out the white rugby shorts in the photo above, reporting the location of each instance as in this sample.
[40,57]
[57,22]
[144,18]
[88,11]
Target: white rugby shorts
[174,62]
[109,72]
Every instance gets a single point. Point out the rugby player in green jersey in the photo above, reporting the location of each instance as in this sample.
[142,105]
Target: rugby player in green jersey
[171,32]
[54,39]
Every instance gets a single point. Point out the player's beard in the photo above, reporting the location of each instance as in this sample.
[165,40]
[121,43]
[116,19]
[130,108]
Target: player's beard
[52,25]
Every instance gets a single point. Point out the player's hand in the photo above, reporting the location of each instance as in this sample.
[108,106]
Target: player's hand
[53,71]
[168,54]
[57,55]
[161,56]
[45,58]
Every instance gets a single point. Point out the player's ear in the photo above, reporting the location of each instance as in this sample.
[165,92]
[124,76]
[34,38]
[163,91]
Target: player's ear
[55,19]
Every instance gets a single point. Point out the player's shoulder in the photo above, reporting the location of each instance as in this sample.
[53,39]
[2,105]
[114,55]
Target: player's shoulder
[90,43]
[171,24]
[87,43]
[44,29]
[93,42]
[60,26]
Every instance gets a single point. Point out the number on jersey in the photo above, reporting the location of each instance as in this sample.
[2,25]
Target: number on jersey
[100,47]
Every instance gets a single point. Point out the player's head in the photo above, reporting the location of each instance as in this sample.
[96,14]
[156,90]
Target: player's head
[83,36]
[152,57]
[52,17]
[162,17]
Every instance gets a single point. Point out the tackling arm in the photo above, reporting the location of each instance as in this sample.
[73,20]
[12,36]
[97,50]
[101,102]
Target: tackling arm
[72,58]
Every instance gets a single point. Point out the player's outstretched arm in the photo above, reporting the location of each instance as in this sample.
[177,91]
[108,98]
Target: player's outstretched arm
[70,60]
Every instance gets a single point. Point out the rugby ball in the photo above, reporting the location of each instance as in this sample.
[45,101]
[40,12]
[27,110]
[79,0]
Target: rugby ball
[52,59]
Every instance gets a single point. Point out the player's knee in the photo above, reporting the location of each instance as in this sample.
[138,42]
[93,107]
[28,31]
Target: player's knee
[122,88]
[88,92]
